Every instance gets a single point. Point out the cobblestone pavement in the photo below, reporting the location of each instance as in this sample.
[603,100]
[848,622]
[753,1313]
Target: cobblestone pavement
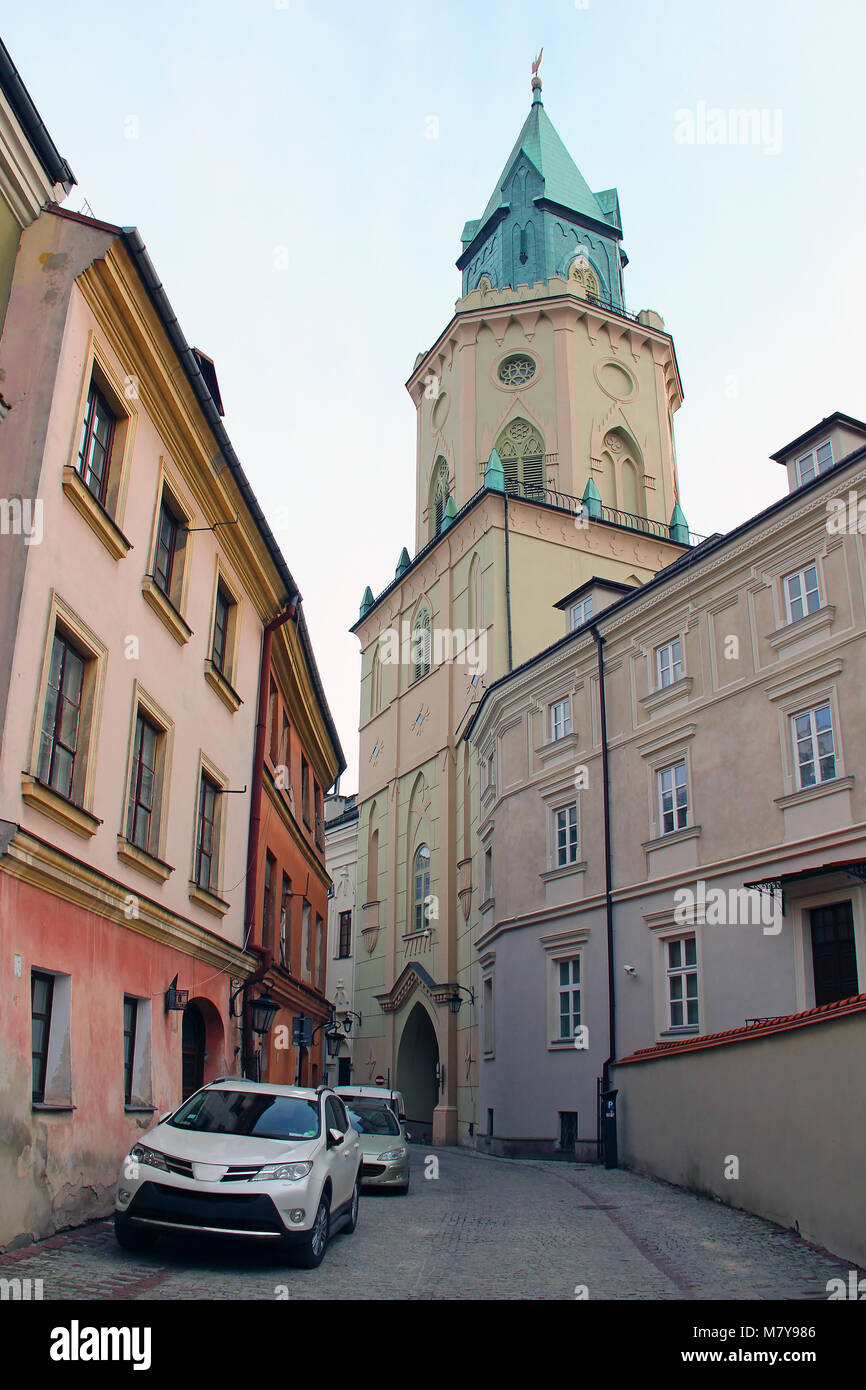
[484,1229]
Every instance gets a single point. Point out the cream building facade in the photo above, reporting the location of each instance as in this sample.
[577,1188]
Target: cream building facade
[707,732]
[545,459]
[341,858]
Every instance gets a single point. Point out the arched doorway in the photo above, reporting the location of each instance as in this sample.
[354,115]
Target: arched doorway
[202,1045]
[192,1050]
[417,1058]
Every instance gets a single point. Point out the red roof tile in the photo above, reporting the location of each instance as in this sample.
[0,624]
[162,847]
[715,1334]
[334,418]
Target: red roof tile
[785,1023]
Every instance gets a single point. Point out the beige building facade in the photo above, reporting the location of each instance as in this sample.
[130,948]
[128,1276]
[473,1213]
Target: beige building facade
[706,731]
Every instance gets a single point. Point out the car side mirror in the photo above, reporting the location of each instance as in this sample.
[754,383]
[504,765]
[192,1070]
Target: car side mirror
[335,1137]
[408,1136]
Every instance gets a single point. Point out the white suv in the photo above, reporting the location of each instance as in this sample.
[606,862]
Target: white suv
[244,1158]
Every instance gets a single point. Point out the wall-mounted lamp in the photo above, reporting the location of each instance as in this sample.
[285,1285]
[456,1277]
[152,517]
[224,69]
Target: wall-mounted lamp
[455,1001]
[176,999]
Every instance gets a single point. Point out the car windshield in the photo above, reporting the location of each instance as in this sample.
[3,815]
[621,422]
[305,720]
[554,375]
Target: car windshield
[372,1119]
[254,1113]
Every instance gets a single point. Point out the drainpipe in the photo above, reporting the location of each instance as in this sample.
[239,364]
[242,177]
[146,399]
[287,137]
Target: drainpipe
[608,900]
[260,948]
[508,588]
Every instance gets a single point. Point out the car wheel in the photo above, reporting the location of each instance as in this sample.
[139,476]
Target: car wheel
[353,1210]
[131,1237]
[312,1252]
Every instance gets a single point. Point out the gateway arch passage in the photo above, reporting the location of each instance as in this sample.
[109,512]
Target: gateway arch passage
[416,1072]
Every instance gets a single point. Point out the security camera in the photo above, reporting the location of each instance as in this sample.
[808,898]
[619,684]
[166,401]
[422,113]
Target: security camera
[629,970]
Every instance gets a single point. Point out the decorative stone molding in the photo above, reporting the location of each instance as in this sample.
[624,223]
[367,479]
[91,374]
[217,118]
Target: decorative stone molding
[45,799]
[165,610]
[667,694]
[464,885]
[370,925]
[73,881]
[226,691]
[209,901]
[94,514]
[140,859]
[835,784]
[814,624]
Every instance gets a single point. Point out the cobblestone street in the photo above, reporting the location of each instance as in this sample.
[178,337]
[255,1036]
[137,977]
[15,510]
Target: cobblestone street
[484,1229]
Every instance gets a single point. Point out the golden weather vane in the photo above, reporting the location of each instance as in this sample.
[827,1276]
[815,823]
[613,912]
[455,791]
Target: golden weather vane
[536,80]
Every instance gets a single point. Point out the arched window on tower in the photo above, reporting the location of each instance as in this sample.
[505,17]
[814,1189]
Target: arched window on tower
[372,858]
[420,652]
[630,491]
[474,595]
[581,271]
[420,887]
[376,691]
[440,487]
[521,449]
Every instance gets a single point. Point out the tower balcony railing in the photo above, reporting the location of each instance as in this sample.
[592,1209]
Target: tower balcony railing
[614,516]
[560,501]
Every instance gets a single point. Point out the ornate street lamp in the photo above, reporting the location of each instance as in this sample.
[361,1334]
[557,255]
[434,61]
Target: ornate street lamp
[262,1012]
[454,1000]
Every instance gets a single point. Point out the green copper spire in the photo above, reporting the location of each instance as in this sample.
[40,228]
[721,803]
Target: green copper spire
[366,601]
[448,515]
[403,563]
[541,214]
[679,526]
[494,473]
[591,500]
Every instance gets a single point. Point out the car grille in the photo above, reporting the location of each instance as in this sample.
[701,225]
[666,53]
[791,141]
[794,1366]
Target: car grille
[240,1174]
[373,1170]
[228,1210]
[180,1166]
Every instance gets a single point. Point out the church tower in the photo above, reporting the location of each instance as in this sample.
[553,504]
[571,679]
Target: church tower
[545,460]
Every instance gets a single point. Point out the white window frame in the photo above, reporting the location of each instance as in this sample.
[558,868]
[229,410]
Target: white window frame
[488,1013]
[488,873]
[570,988]
[556,812]
[680,972]
[814,462]
[142,1093]
[660,773]
[807,591]
[814,733]
[669,660]
[560,719]
[58,1064]
[581,612]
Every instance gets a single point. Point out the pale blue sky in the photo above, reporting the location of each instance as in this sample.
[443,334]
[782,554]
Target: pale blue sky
[304,126]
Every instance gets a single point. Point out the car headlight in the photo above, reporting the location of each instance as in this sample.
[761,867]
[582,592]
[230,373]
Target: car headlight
[282,1172]
[392,1154]
[140,1153]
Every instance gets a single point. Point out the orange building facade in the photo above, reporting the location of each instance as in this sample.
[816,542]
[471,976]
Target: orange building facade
[300,759]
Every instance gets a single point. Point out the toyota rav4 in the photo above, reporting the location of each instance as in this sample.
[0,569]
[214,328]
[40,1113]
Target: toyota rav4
[244,1158]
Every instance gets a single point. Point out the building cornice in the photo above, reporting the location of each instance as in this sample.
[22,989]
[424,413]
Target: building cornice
[48,868]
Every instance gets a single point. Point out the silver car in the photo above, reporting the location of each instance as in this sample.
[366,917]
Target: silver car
[384,1146]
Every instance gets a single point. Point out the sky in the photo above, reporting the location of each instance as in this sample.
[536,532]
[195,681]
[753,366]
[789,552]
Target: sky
[301,172]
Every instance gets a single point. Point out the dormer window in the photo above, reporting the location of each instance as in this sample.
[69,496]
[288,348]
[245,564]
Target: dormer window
[581,613]
[814,462]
